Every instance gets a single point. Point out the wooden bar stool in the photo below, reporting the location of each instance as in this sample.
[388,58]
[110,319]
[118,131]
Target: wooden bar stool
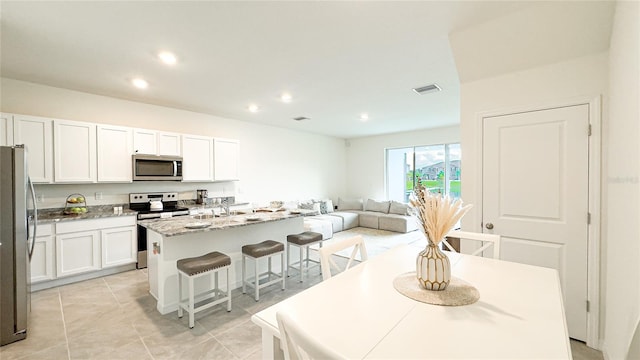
[268,248]
[303,241]
[191,268]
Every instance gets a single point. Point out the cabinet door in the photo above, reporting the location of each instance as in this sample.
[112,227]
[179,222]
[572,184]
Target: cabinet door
[119,246]
[145,141]
[75,151]
[42,261]
[114,154]
[35,134]
[77,253]
[6,129]
[197,155]
[169,144]
[226,153]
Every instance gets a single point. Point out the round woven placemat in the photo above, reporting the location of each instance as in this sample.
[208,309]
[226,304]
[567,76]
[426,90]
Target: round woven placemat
[459,292]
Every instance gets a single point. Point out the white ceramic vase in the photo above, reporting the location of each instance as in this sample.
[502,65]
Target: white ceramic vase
[433,268]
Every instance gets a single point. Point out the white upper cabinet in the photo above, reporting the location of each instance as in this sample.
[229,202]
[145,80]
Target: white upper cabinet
[154,142]
[75,151]
[6,129]
[115,144]
[169,144]
[197,156]
[35,134]
[226,154]
[145,141]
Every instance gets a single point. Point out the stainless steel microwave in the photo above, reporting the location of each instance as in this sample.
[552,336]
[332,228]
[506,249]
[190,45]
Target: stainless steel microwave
[154,168]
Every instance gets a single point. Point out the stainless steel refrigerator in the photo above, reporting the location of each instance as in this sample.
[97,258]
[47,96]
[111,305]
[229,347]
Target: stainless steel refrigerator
[15,247]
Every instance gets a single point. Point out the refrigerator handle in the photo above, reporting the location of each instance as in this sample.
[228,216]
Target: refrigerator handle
[35,218]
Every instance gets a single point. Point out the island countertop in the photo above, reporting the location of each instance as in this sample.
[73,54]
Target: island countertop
[181,225]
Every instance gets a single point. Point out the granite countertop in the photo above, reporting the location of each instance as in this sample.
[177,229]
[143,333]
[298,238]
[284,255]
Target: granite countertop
[93,212]
[176,226]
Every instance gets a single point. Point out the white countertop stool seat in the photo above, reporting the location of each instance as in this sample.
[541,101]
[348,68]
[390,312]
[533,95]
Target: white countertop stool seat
[192,268]
[269,249]
[303,241]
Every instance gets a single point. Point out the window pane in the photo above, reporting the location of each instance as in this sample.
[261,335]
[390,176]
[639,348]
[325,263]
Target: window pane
[430,167]
[454,170]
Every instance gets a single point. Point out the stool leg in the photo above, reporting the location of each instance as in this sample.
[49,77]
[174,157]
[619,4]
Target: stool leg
[269,272]
[215,286]
[180,313]
[191,303]
[244,281]
[282,269]
[256,281]
[288,257]
[301,272]
[228,291]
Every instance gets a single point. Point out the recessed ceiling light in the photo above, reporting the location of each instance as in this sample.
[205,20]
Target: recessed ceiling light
[364,117]
[167,58]
[253,108]
[140,83]
[286,98]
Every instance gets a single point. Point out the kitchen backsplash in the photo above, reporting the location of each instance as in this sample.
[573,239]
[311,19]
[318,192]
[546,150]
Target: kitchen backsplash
[55,195]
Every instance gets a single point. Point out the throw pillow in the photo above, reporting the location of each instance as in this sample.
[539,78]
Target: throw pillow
[310,206]
[377,206]
[326,206]
[398,208]
[329,206]
[349,204]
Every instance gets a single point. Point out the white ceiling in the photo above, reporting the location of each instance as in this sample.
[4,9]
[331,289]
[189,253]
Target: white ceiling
[337,59]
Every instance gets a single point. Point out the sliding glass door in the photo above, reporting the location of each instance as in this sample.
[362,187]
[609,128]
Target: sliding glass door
[437,167]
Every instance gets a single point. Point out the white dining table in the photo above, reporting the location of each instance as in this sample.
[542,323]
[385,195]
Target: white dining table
[360,315]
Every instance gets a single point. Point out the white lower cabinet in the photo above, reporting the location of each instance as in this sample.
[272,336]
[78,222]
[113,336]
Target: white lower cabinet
[89,245]
[77,253]
[119,246]
[43,259]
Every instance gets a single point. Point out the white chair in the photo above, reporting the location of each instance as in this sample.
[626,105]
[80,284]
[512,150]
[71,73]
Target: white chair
[326,262]
[487,240]
[297,344]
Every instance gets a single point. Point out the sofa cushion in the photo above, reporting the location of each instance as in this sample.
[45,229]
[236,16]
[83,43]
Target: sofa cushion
[349,204]
[323,227]
[369,219]
[398,208]
[349,218]
[398,223]
[336,221]
[377,206]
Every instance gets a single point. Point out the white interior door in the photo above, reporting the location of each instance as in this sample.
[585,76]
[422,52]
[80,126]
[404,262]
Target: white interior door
[535,194]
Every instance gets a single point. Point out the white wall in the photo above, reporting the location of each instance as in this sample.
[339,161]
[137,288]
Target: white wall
[622,236]
[366,157]
[275,163]
[585,77]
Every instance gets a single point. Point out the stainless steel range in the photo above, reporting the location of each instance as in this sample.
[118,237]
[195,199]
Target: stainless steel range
[153,206]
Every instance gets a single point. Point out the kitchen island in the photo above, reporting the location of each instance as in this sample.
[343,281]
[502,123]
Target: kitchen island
[171,239]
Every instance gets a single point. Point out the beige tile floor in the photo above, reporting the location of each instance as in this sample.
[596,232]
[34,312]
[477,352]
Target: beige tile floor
[114,317]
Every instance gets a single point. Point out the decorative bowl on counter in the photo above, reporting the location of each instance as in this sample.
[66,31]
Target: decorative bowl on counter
[75,205]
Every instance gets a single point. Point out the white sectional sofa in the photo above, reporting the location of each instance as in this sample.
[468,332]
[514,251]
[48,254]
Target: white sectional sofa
[351,213]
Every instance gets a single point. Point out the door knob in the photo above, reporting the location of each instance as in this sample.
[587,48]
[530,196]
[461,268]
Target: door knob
[489,226]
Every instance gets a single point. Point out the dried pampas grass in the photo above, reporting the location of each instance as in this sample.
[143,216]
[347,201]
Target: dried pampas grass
[436,213]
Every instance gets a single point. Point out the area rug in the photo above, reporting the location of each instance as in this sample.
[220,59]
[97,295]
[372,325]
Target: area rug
[378,241]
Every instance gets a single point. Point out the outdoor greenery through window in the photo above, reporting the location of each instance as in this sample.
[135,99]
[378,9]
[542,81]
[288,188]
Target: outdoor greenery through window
[438,167]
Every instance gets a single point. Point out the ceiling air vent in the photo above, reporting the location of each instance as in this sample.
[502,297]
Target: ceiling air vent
[426,89]
[300,118]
